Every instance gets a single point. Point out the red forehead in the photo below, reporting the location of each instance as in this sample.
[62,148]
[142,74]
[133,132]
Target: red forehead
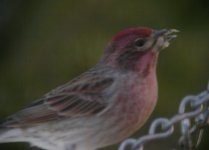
[138,31]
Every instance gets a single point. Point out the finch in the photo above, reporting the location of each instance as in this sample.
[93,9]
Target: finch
[100,107]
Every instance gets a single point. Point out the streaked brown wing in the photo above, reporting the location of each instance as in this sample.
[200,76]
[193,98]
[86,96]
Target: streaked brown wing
[80,97]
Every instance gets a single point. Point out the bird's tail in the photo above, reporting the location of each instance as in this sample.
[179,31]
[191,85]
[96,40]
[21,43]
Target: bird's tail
[9,135]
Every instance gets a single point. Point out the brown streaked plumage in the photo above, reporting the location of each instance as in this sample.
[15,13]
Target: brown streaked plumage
[78,98]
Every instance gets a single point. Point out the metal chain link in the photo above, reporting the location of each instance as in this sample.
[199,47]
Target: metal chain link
[192,117]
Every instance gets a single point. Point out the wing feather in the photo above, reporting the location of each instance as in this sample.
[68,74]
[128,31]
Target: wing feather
[80,97]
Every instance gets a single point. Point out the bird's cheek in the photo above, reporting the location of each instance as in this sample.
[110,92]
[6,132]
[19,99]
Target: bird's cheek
[147,63]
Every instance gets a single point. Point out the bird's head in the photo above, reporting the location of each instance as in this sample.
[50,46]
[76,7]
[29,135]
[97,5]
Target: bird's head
[137,48]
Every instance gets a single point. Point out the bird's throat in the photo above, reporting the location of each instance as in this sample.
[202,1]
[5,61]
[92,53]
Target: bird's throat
[146,64]
[141,62]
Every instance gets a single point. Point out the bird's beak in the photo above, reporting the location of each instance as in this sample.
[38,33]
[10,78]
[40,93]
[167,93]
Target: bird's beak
[162,38]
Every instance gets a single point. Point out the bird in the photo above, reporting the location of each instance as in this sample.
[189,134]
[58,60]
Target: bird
[103,105]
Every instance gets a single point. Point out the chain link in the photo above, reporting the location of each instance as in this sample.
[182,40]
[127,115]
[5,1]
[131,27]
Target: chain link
[192,117]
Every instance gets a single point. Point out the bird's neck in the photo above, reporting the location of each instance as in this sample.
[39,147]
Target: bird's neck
[146,64]
[141,63]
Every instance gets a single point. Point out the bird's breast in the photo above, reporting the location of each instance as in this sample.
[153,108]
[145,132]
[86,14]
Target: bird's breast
[135,103]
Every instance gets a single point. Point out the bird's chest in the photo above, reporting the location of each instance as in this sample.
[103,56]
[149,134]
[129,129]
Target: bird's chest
[137,101]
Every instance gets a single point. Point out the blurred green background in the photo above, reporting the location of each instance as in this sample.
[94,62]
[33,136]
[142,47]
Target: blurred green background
[46,43]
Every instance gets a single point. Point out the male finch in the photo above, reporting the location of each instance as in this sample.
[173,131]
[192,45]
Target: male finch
[103,105]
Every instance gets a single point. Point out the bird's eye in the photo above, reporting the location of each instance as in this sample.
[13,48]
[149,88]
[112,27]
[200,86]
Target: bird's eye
[139,42]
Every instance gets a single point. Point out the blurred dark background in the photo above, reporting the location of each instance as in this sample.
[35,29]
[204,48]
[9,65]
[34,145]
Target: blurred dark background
[46,43]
